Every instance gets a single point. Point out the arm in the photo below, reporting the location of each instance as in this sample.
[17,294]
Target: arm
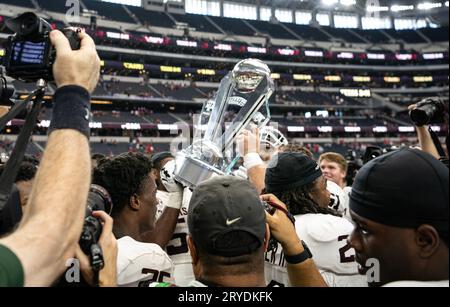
[257,175]
[304,274]
[50,230]
[165,225]
[425,140]
[248,146]
[164,228]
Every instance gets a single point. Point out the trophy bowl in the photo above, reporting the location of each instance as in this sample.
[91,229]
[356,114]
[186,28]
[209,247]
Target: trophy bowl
[249,73]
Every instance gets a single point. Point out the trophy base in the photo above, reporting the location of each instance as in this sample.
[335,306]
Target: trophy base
[191,172]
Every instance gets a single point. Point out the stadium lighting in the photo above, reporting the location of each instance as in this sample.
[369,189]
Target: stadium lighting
[348,2]
[429,5]
[330,2]
[400,8]
[446,3]
[377,8]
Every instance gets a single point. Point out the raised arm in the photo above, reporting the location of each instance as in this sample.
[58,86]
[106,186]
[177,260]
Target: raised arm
[50,230]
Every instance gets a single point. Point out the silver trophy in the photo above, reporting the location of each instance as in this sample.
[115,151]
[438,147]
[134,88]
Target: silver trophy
[242,102]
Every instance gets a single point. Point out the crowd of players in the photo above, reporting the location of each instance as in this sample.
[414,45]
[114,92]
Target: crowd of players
[283,220]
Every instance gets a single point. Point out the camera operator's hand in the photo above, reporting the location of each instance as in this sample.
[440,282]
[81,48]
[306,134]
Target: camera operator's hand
[426,142]
[75,67]
[304,274]
[282,228]
[108,243]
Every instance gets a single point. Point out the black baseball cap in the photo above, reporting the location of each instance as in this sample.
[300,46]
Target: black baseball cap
[405,188]
[223,208]
[291,170]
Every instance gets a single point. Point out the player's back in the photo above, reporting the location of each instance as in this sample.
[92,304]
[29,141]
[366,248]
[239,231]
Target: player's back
[326,237]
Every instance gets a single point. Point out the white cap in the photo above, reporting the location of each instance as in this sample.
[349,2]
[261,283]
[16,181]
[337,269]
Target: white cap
[138,262]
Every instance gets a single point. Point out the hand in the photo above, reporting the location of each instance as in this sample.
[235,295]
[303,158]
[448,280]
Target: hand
[282,228]
[273,199]
[108,243]
[75,67]
[249,142]
[412,107]
[168,179]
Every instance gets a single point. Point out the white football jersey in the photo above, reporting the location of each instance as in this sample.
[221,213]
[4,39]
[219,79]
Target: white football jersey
[326,237]
[177,248]
[139,264]
[341,203]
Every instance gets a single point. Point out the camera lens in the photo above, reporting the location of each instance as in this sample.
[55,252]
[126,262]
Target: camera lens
[423,115]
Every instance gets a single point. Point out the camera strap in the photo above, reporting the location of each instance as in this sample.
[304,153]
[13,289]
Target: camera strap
[437,142]
[12,166]
[15,110]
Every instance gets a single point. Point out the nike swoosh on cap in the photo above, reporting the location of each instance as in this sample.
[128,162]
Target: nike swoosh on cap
[229,223]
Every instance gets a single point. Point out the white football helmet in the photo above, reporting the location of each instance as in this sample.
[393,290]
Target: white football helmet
[272,137]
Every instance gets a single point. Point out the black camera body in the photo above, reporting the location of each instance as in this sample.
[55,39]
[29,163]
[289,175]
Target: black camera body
[30,54]
[270,208]
[98,200]
[428,111]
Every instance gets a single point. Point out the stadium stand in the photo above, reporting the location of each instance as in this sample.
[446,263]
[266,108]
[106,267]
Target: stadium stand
[233,26]
[343,34]
[53,5]
[273,29]
[152,18]
[198,22]
[110,11]
[22,3]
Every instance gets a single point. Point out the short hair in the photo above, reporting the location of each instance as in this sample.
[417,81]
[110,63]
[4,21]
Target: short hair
[123,177]
[298,149]
[27,171]
[336,158]
[98,156]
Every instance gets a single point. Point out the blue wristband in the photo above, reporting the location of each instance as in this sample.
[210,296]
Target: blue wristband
[71,109]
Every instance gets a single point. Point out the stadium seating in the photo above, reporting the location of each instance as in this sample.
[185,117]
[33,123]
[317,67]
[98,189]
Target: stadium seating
[343,34]
[272,29]
[374,36]
[23,3]
[198,22]
[409,36]
[233,25]
[183,93]
[436,35]
[308,32]
[116,117]
[110,11]
[157,19]
[134,89]
[53,5]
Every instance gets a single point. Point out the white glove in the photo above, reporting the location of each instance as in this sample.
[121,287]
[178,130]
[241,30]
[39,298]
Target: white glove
[168,178]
